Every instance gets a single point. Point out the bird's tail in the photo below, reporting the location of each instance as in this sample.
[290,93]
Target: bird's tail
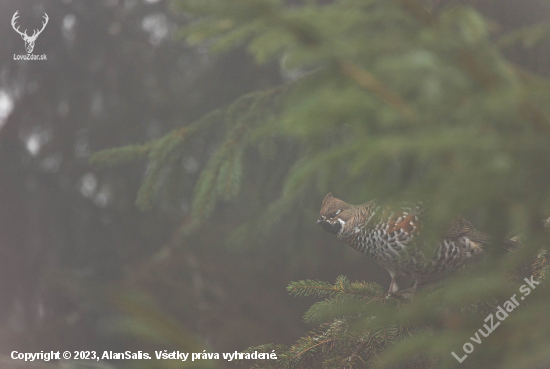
[513,243]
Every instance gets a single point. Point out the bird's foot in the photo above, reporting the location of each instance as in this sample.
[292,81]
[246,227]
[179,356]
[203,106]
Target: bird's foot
[406,294]
[409,292]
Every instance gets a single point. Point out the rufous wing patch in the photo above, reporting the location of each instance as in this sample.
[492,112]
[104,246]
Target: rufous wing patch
[407,223]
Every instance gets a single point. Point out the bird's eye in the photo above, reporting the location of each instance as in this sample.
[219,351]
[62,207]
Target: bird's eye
[333,215]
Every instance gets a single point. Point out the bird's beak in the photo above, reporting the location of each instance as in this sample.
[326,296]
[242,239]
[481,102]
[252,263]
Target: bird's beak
[319,221]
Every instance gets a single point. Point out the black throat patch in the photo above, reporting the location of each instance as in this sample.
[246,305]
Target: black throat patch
[332,228]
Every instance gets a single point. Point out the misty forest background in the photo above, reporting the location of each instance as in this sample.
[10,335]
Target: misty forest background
[216,127]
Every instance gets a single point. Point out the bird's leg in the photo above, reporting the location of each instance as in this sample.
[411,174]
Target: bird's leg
[414,288]
[393,284]
[394,287]
[409,292]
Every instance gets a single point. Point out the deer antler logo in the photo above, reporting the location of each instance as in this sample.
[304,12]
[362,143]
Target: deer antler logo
[29,40]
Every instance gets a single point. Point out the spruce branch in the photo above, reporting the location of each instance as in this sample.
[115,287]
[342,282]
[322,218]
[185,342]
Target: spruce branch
[340,288]
[370,82]
[120,155]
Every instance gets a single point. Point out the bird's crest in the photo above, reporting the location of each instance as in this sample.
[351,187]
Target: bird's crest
[331,204]
[328,198]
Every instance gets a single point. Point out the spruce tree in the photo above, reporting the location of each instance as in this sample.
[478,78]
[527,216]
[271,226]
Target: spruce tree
[390,99]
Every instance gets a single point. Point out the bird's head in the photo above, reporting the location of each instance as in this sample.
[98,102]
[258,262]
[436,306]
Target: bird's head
[334,214]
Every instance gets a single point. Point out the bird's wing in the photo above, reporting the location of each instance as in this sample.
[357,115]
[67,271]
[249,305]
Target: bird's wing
[406,221]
